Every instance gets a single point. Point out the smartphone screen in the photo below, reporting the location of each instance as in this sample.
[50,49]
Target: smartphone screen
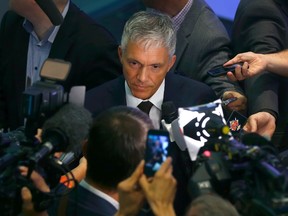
[156,150]
[220,71]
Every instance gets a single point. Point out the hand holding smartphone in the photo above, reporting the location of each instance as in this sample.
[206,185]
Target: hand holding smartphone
[156,150]
[220,71]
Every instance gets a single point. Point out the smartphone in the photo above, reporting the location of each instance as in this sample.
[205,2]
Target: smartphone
[156,150]
[220,71]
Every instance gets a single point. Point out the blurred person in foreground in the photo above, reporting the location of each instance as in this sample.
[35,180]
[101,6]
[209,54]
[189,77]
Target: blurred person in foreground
[111,160]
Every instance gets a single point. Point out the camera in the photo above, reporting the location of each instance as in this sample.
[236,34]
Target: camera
[245,169]
[20,147]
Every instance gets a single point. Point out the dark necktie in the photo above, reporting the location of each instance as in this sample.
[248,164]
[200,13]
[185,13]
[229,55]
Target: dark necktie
[145,106]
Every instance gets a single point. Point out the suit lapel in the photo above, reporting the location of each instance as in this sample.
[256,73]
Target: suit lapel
[186,30]
[19,63]
[64,38]
[118,93]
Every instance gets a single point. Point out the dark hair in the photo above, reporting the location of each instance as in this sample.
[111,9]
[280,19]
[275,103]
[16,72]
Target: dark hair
[116,145]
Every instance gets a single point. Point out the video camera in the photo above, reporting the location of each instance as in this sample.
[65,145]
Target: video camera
[20,147]
[245,170]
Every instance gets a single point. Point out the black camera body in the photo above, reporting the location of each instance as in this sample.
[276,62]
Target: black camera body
[40,101]
[250,176]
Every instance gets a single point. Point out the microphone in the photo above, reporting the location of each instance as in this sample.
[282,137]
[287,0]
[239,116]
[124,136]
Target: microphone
[65,131]
[50,9]
[170,123]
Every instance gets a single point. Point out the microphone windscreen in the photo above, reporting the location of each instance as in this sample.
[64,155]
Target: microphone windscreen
[74,121]
[51,11]
[169,112]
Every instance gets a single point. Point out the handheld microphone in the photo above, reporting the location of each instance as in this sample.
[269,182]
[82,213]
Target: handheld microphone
[51,11]
[170,123]
[65,131]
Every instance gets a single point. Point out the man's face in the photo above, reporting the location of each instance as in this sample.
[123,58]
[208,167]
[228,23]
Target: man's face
[144,68]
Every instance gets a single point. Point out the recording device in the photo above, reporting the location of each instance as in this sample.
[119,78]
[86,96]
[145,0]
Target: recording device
[51,11]
[170,123]
[220,70]
[246,171]
[202,125]
[45,97]
[64,131]
[156,150]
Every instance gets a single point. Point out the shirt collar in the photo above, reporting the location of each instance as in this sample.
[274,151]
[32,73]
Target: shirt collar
[99,193]
[178,19]
[156,99]
[51,34]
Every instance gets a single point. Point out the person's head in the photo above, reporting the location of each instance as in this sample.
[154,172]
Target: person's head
[147,52]
[209,204]
[116,145]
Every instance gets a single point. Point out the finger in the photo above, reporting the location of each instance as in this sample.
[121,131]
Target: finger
[238,73]
[231,76]
[133,179]
[26,199]
[165,166]
[232,61]
[250,126]
[245,70]
[137,173]
[144,183]
[23,170]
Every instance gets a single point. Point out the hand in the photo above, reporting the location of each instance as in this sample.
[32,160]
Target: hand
[253,64]
[36,178]
[131,197]
[262,123]
[239,104]
[27,204]
[160,192]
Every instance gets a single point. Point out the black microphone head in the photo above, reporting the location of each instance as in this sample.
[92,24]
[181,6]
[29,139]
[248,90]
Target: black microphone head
[71,121]
[169,112]
[51,11]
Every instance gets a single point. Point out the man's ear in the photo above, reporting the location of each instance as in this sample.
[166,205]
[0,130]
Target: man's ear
[120,54]
[172,61]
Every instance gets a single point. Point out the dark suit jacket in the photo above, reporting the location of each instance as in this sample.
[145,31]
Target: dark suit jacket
[203,43]
[261,26]
[90,48]
[183,92]
[81,202]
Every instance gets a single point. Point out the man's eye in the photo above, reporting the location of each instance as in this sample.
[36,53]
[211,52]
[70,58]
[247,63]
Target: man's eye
[155,67]
[133,64]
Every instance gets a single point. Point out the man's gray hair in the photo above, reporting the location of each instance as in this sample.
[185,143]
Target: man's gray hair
[150,29]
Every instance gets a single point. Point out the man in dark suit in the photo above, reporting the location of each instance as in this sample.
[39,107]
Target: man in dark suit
[261,26]
[202,44]
[147,54]
[27,38]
